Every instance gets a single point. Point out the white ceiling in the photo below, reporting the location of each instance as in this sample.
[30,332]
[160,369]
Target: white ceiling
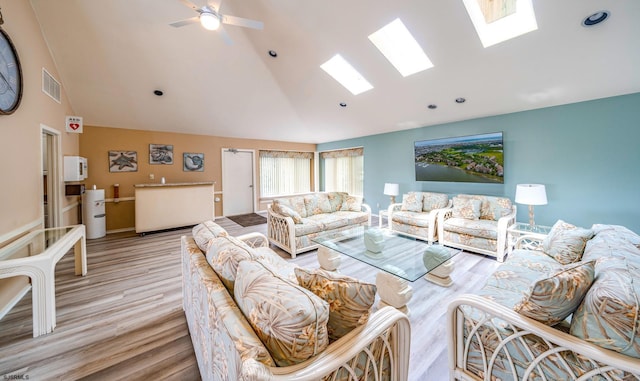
[112,54]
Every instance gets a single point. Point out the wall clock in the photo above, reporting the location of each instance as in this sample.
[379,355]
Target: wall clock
[10,76]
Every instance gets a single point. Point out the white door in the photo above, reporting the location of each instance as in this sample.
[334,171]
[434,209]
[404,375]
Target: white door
[237,182]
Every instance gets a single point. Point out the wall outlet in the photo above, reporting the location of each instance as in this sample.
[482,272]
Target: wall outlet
[378,205]
[151,176]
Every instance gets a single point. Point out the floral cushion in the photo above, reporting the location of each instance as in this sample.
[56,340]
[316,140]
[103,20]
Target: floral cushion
[351,203]
[565,242]
[494,208]
[296,203]
[466,208]
[554,297]
[224,255]
[203,233]
[290,320]
[412,202]
[431,201]
[287,212]
[335,199]
[317,203]
[349,299]
[609,315]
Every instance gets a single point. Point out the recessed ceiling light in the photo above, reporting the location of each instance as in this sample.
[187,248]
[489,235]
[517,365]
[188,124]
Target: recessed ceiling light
[397,44]
[460,100]
[432,106]
[158,92]
[273,53]
[595,18]
[342,104]
[346,75]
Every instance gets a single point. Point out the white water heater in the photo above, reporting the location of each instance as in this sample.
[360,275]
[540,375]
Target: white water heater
[75,168]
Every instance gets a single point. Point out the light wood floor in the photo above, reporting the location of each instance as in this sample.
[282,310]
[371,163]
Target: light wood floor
[124,319]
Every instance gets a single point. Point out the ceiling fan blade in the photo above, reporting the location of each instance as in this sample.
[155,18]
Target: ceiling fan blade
[225,36]
[190,4]
[215,4]
[178,24]
[239,21]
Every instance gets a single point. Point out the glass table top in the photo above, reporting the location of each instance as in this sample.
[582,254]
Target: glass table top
[525,227]
[34,243]
[397,254]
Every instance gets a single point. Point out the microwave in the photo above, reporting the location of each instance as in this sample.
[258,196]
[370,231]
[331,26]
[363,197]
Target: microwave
[75,168]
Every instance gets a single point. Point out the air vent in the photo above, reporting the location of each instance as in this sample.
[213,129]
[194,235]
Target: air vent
[50,86]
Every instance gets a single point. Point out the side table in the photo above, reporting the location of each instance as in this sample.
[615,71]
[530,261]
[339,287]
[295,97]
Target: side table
[519,229]
[383,214]
[35,255]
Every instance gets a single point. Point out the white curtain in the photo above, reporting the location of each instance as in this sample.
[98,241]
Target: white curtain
[344,171]
[284,173]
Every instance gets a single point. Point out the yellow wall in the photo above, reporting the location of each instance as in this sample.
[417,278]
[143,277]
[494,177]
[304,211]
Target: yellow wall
[96,142]
[20,133]
[21,191]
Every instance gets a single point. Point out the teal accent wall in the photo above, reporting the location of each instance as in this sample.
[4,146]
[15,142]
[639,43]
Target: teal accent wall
[586,154]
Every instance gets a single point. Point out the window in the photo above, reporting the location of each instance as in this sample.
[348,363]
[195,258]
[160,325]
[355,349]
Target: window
[344,171]
[284,173]
[397,44]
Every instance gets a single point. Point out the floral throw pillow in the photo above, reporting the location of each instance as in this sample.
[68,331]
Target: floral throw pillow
[554,297]
[565,242]
[466,208]
[287,212]
[412,202]
[349,299]
[290,320]
[351,203]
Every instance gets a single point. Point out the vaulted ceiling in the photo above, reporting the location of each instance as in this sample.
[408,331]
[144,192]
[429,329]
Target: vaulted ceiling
[112,55]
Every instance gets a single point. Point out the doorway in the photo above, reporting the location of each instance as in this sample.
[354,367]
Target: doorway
[237,181]
[51,184]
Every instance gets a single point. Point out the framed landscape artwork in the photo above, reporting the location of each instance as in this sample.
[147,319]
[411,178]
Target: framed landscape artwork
[474,158]
[160,154]
[193,162]
[123,161]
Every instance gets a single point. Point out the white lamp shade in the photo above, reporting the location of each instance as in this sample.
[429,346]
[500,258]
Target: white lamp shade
[209,21]
[391,189]
[531,194]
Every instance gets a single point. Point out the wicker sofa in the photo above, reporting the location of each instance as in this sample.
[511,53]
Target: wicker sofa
[538,318]
[477,223]
[237,298]
[416,215]
[293,222]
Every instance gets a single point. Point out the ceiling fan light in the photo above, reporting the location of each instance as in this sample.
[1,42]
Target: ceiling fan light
[209,21]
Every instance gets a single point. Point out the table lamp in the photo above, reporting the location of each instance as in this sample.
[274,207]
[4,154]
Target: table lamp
[392,190]
[531,194]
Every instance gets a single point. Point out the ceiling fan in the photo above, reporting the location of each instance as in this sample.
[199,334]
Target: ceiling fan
[210,18]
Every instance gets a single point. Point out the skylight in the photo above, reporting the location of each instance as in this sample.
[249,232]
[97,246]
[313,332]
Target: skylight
[346,75]
[397,44]
[506,27]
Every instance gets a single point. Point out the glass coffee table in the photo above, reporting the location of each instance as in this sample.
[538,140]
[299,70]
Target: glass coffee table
[401,259]
[35,255]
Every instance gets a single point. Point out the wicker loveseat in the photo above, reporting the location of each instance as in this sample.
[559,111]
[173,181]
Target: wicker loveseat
[238,298]
[417,215]
[537,318]
[477,223]
[293,222]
